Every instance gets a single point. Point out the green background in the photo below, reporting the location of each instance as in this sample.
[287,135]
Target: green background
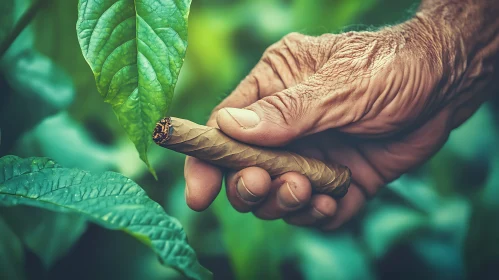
[438,222]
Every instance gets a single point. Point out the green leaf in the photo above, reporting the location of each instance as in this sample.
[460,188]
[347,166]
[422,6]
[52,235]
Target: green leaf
[135,50]
[36,88]
[69,143]
[108,199]
[11,254]
[44,86]
[49,235]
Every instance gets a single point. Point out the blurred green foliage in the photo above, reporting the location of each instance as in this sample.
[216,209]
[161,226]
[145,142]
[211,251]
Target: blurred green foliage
[438,222]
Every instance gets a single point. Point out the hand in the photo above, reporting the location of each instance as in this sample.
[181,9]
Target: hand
[379,102]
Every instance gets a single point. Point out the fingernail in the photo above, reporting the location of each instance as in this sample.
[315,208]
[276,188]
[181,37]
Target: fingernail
[244,193]
[186,193]
[317,214]
[287,197]
[245,118]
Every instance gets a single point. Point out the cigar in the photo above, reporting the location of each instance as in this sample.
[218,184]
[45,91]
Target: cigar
[212,145]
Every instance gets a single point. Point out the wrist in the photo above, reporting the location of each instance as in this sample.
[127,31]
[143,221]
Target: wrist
[460,38]
[442,47]
[462,35]
[473,23]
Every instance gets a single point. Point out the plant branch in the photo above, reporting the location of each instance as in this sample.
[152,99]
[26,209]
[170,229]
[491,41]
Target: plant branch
[25,19]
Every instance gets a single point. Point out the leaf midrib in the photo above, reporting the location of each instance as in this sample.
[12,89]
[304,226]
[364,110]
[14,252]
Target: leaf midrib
[142,119]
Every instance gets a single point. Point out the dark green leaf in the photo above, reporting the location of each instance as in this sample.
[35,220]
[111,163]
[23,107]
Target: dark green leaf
[11,254]
[108,199]
[48,234]
[35,88]
[135,49]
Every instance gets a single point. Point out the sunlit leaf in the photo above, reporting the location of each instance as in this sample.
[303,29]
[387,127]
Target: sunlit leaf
[136,50]
[108,199]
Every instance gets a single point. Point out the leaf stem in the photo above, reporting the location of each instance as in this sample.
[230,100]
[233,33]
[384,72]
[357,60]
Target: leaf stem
[25,19]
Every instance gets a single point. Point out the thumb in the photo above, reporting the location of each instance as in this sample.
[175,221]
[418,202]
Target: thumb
[271,121]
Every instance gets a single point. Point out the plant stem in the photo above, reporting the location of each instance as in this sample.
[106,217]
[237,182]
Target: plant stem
[25,19]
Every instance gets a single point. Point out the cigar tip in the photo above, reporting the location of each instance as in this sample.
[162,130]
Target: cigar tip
[163,131]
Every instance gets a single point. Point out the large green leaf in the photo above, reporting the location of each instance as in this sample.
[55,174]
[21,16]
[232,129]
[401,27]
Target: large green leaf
[108,199]
[135,49]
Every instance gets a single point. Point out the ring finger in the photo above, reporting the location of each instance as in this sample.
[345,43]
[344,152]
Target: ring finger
[288,192]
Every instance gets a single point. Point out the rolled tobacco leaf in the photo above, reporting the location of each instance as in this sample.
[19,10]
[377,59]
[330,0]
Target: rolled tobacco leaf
[212,145]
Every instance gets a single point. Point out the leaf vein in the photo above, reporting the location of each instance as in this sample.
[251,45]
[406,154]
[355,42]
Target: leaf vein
[97,22]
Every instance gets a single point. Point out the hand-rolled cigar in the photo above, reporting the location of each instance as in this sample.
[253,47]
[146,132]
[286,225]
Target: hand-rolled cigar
[212,145]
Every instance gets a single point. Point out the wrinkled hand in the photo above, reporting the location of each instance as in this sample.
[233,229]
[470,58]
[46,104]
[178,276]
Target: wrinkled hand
[379,102]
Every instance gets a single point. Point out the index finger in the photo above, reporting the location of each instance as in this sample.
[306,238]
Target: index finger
[204,180]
